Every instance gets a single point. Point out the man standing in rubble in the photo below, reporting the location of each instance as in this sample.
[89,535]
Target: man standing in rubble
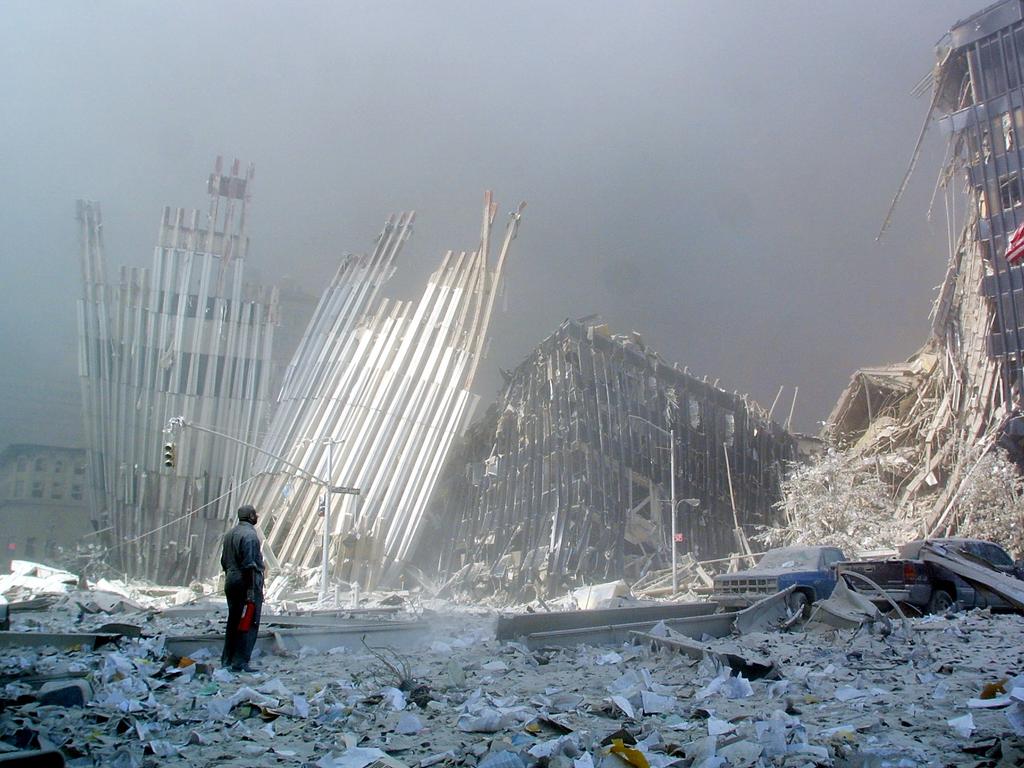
[242,561]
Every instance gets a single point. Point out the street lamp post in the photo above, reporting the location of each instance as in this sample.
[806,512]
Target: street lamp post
[324,567]
[672,503]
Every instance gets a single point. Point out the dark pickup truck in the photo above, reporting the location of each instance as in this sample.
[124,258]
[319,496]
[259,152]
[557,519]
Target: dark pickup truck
[928,586]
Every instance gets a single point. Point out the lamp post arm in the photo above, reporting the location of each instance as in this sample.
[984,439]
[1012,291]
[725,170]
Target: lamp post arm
[179,421]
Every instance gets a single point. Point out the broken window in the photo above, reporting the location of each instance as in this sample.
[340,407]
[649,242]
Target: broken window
[40,464]
[37,489]
[1010,191]
[693,408]
[730,429]
[76,492]
[57,490]
[22,464]
[19,488]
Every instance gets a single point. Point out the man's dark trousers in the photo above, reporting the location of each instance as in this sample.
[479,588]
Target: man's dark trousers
[238,645]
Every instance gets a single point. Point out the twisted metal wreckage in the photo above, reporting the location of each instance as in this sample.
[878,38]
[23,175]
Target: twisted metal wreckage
[185,337]
[569,477]
[371,401]
[925,424]
[372,398]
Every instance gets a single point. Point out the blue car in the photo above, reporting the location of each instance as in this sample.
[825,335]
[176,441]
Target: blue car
[810,568]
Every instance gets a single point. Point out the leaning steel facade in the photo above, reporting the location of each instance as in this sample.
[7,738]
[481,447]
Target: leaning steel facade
[185,338]
[374,396]
[568,477]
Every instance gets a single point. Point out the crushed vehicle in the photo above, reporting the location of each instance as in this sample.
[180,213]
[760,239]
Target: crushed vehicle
[928,586]
[811,569]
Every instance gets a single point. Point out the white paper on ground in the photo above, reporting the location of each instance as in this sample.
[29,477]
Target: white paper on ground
[655,704]
[1015,717]
[354,757]
[409,723]
[964,726]
[717,726]
[737,688]
[623,703]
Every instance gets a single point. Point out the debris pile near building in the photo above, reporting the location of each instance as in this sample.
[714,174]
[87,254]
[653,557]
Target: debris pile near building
[187,337]
[569,479]
[923,427]
[371,402]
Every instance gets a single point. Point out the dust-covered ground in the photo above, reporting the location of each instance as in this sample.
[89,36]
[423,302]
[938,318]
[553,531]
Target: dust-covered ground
[909,696]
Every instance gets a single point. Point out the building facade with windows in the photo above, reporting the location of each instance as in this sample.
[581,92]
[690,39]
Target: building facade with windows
[44,514]
[979,99]
[568,478]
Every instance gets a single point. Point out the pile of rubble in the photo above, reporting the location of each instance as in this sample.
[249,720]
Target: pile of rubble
[611,687]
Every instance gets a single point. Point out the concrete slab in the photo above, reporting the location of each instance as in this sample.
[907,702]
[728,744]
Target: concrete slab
[404,635]
[62,640]
[513,627]
[716,625]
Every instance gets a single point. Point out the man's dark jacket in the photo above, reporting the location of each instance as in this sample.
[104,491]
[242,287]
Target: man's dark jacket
[242,560]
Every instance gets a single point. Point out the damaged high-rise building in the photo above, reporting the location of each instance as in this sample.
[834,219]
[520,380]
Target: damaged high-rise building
[569,476]
[924,425]
[373,398]
[185,338]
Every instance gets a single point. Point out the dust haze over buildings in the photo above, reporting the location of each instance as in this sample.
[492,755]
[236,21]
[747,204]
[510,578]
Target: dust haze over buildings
[711,175]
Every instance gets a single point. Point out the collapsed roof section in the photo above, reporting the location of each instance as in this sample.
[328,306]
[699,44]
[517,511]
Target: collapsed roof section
[569,478]
[874,392]
[186,337]
[372,400]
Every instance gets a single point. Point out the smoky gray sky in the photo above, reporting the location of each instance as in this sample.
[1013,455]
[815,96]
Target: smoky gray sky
[710,174]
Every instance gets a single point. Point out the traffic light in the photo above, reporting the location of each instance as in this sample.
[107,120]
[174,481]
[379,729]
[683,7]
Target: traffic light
[170,457]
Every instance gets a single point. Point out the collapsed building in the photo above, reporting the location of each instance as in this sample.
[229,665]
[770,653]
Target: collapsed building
[186,338]
[569,477]
[373,398]
[925,424]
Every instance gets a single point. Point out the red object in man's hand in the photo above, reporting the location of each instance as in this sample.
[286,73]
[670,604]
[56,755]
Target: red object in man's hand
[245,623]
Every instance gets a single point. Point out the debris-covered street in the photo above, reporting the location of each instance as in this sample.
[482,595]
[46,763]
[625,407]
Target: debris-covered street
[938,690]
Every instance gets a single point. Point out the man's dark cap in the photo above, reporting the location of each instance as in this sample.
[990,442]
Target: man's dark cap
[246,511]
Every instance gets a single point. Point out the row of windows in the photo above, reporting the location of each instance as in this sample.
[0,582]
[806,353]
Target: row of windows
[38,490]
[999,60]
[42,465]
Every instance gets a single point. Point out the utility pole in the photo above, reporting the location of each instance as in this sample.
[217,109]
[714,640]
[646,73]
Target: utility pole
[324,565]
[672,471]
